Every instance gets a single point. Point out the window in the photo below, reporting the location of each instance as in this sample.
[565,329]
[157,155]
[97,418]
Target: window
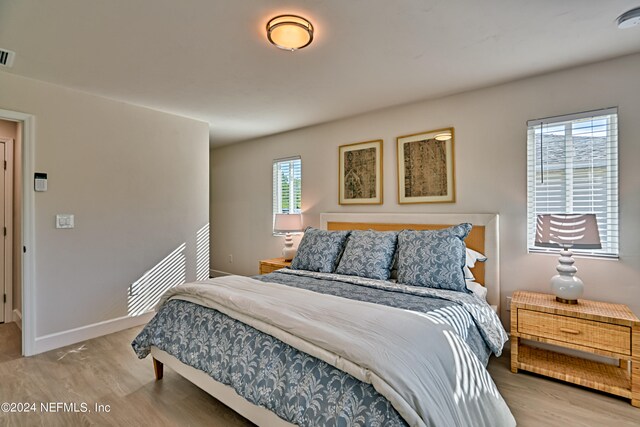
[572,167]
[287,185]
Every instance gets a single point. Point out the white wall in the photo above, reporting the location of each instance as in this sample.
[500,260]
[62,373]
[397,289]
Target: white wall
[490,156]
[136,180]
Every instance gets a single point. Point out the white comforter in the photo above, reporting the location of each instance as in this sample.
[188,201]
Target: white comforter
[420,365]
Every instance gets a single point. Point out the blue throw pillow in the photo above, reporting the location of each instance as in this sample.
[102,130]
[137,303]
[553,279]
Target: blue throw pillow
[433,258]
[319,250]
[368,254]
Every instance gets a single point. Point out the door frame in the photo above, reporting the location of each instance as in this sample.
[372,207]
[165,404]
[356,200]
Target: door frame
[28,228]
[8,221]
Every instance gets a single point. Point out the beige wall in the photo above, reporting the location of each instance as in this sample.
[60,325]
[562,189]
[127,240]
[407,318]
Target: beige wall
[137,182]
[13,130]
[490,156]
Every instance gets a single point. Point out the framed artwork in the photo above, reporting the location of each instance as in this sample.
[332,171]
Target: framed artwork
[360,173]
[426,168]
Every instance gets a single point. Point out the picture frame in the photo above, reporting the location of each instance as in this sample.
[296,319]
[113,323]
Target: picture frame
[360,173]
[426,172]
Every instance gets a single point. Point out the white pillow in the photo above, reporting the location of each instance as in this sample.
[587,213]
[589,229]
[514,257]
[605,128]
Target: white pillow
[471,258]
[477,289]
[468,275]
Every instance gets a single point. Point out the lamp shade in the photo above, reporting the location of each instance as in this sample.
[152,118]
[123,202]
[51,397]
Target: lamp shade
[578,231]
[287,223]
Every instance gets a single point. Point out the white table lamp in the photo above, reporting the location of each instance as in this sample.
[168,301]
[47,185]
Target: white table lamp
[288,223]
[567,231]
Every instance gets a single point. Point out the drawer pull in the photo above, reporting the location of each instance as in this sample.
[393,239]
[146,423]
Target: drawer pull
[569,331]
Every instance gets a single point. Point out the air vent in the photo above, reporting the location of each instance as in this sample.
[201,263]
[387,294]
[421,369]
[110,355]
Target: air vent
[6,57]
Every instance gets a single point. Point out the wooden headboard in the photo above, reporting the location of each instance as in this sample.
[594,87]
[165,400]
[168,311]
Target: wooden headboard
[482,238]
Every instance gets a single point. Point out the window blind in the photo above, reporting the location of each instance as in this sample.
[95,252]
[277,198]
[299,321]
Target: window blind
[287,185]
[572,167]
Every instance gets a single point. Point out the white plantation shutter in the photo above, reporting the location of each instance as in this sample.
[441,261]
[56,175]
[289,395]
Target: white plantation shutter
[287,185]
[572,167]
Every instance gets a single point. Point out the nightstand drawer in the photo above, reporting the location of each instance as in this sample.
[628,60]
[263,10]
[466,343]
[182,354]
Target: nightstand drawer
[588,333]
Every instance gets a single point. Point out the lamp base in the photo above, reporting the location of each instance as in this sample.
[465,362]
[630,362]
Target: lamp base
[567,301]
[567,289]
[288,252]
[566,286]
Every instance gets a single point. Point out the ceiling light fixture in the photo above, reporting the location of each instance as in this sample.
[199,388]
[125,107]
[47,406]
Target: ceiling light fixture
[445,136]
[629,19]
[289,32]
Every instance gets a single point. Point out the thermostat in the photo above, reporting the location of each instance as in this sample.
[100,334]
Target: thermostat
[40,182]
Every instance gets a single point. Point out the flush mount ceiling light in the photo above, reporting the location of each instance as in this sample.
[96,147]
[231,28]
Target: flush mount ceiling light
[445,136]
[629,19]
[289,32]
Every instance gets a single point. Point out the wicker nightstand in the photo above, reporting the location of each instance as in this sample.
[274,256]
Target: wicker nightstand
[600,328]
[269,265]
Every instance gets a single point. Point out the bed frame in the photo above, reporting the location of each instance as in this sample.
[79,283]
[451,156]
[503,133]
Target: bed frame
[483,238]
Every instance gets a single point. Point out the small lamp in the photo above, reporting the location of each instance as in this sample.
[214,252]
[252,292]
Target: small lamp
[567,231]
[288,223]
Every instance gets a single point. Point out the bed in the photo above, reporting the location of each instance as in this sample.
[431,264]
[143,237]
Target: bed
[300,347]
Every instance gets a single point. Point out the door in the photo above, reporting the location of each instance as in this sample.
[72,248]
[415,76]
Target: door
[6,229]
[3,231]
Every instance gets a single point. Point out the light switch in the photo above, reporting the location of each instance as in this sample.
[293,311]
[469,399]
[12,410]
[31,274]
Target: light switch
[65,221]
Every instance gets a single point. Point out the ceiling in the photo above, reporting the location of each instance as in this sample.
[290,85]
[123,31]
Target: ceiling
[210,59]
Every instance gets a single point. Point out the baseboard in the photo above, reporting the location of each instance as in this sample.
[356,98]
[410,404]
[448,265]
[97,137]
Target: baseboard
[17,318]
[218,273]
[83,333]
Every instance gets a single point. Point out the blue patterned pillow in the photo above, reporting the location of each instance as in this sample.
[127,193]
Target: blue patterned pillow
[319,250]
[368,254]
[433,258]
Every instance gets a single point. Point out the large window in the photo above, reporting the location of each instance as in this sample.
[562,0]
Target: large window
[287,185]
[572,164]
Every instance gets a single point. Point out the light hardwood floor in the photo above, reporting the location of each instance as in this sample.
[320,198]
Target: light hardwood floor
[106,371]
[10,342]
